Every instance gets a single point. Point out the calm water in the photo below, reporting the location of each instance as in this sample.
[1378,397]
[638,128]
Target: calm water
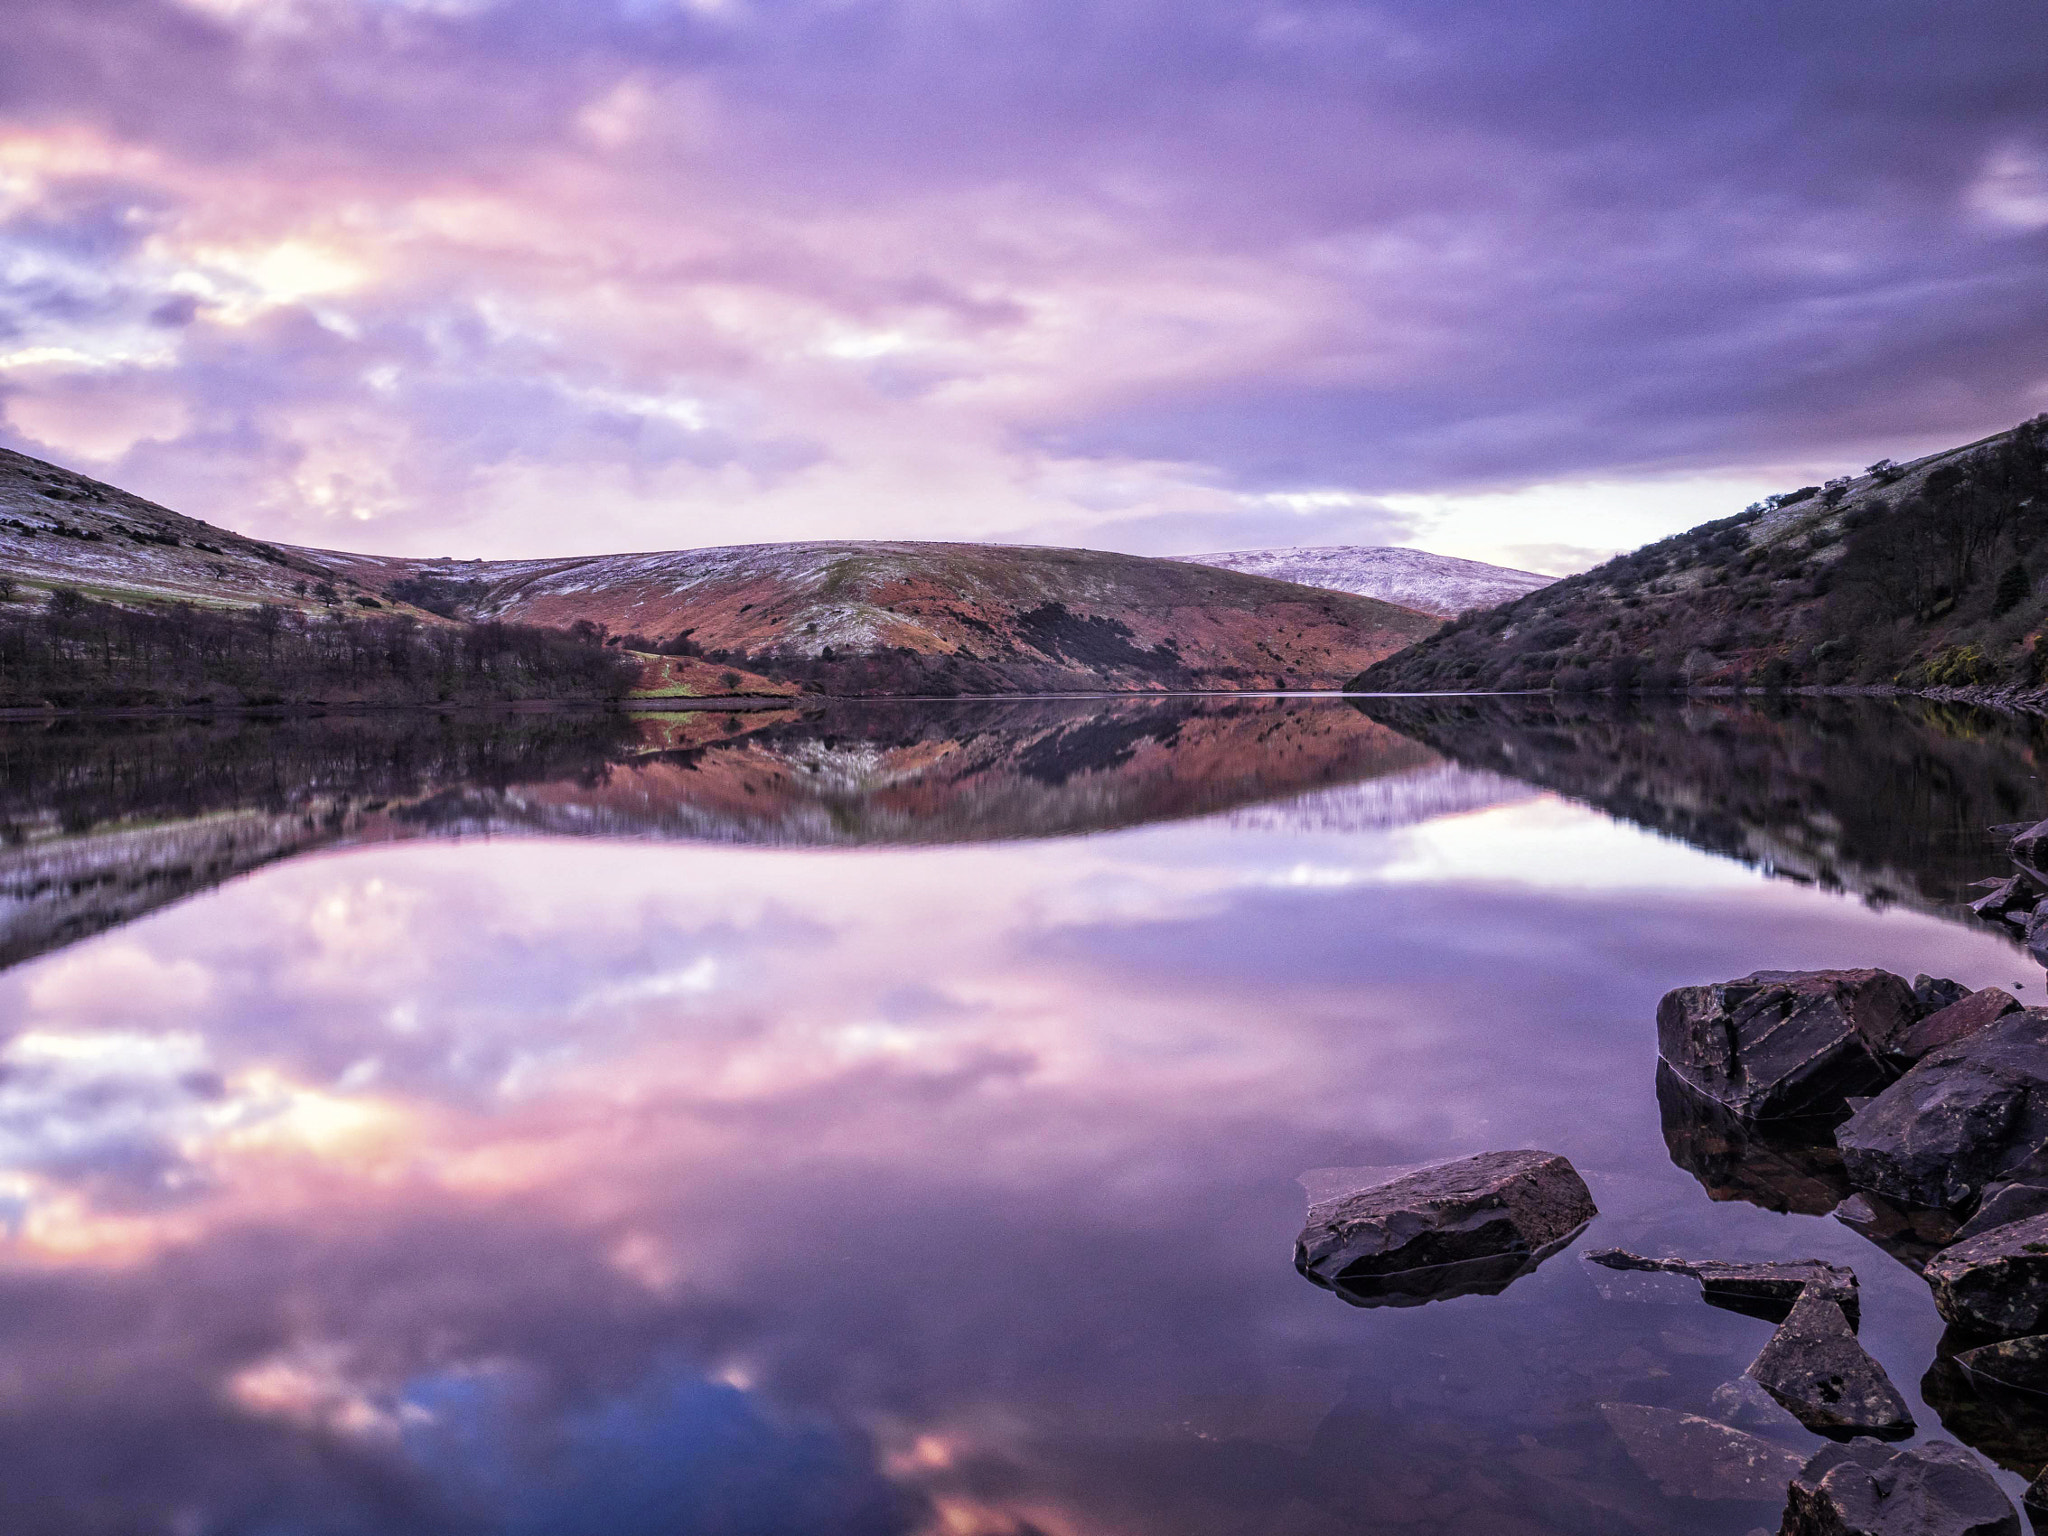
[894,1119]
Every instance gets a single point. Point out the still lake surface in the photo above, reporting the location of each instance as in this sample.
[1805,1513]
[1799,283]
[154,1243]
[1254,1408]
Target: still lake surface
[897,1118]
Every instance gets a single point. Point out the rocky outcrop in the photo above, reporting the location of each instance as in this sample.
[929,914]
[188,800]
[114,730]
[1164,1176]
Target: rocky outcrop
[1824,1378]
[1867,1489]
[1765,1289]
[1777,1044]
[1459,1227]
[1964,1116]
[1996,1284]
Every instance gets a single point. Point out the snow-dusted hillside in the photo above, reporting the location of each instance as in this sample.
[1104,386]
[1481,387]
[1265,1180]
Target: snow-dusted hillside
[1440,584]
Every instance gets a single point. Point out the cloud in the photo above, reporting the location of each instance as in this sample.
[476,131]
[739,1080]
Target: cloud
[525,276]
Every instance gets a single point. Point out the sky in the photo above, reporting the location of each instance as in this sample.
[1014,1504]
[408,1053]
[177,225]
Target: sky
[522,277]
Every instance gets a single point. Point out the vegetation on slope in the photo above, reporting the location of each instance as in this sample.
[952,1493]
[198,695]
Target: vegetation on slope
[1922,574]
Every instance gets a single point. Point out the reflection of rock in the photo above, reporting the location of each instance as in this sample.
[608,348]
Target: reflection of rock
[1786,1165]
[1866,1489]
[1767,1290]
[2009,1427]
[1815,1367]
[1785,1043]
[1695,1458]
[1912,1234]
[1459,1228]
[1997,1282]
[1962,1117]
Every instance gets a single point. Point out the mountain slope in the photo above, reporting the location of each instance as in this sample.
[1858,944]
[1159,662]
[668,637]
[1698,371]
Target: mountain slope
[1921,574]
[1440,584]
[844,617]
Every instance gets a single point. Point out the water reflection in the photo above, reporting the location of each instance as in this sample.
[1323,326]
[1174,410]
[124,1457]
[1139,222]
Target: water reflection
[640,1184]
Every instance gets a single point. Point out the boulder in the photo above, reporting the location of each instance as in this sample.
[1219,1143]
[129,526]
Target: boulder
[1497,1208]
[1814,1366]
[2011,1365]
[1966,1115]
[1958,1021]
[1764,1289]
[1781,1165]
[1693,1458]
[1931,994]
[1867,1489]
[1996,1283]
[1785,1043]
[2002,1204]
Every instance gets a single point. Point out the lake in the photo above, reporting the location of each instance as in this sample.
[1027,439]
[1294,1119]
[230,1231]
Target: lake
[897,1117]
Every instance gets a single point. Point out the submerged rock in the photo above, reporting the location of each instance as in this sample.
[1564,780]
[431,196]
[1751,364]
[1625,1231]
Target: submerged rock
[1484,1220]
[1866,1489]
[1764,1289]
[2013,1365]
[1785,1043]
[1694,1458]
[1964,1116]
[1780,1165]
[1912,1234]
[1995,1283]
[1815,1367]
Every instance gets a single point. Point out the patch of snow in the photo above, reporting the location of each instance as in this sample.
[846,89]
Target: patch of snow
[1443,585]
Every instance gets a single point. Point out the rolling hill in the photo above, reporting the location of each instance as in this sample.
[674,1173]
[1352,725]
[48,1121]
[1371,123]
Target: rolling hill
[1414,578]
[1918,575]
[837,617]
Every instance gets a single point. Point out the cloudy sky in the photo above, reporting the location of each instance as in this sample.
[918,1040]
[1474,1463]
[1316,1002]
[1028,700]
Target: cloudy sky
[509,277]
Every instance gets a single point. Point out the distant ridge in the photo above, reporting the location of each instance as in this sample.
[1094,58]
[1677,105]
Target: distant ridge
[1440,584]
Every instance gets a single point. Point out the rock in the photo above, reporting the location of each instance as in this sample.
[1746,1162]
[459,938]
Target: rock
[1931,994]
[2030,844]
[2036,1501]
[1867,1489]
[2001,1204]
[1695,1458]
[2037,936]
[2014,1365]
[2008,1427]
[1912,1234]
[1494,1217]
[1962,1117]
[1996,1283]
[1780,1165]
[1766,1289]
[1815,1367]
[2015,893]
[1785,1043]
[1958,1021]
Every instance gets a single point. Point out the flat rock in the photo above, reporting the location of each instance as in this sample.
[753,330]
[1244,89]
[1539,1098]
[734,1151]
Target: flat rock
[1815,1367]
[1867,1489]
[1996,1283]
[1499,1208]
[1762,1289]
[1958,1021]
[1694,1458]
[1964,1116]
[1785,1043]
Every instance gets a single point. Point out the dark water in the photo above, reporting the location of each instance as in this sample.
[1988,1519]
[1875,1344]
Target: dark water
[893,1119]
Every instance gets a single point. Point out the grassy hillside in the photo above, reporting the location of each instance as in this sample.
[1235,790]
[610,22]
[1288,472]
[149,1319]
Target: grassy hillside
[843,618]
[1928,573]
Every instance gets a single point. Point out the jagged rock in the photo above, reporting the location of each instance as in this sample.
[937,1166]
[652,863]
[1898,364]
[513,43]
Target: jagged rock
[1867,1489]
[2001,1204]
[1931,994]
[1780,1165]
[1964,1116]
[1912,1234]
[1492,1217]
[1694,1458]
[1765,1289]
[1958,1021]
[1785,1043]
[1815,1367]
[2016,1365]
[1996,1283]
